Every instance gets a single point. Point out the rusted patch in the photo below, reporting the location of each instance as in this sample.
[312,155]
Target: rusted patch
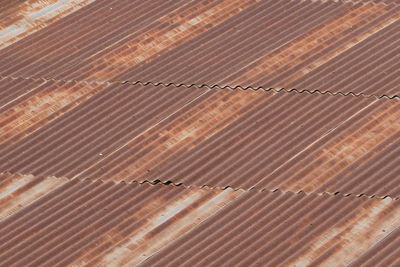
[301,50]
[167,224]
[42,107]
[16,191]
[34,15]
[173,30]
[357,147]
[351,239]
[190,129]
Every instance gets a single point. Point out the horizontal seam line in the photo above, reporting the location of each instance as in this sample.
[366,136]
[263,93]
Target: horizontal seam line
[221,188]
[226,87]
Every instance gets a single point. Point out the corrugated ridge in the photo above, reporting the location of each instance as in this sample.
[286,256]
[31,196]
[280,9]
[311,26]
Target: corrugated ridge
[384,253]
[205,29]
[284,229]
[96,222]
[82,220]
[101,139]
[276,90]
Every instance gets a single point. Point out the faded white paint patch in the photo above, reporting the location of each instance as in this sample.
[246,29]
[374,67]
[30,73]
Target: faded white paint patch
[34,15]
[178,217]
[355,236]
[17,193]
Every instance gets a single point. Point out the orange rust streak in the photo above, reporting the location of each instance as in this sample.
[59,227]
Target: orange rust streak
[355,236]
[164,39]
[42,108]
[300,50]
[194,128]
[162,227]
[27,18]
[361,144]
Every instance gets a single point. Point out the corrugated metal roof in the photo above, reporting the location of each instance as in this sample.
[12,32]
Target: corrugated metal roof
[288,229]
[335,46]
[56,221]
[168,154]
[201,136]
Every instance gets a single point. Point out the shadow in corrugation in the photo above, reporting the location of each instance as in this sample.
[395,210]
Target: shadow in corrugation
[286,228]
[258,44]
[80,221]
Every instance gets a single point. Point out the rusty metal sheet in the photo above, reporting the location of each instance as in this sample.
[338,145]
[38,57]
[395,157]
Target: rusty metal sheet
[19,20]
[336,46]
[200,136]
[92,223]
[384,253]
[66,110]
[288,229]
[58,222]
[30,105]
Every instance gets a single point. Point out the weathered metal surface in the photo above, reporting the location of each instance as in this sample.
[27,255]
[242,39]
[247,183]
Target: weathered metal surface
[20,20]
[37,103]
[336,46]
[103,136]
[287,229]
[60,222]
[94,223]
[200,136]
[384,253]
[17,191]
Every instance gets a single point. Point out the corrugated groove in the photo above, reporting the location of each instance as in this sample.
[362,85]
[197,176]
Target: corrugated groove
[188,167]
[284,229]
[235,36]
[212,137]
[83,220]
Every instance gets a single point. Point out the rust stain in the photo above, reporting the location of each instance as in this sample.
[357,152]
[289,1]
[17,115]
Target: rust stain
[162,227]
[299,51]
[17,191]
[355,236]
[357,147]
[175,29]
[34,15]
[189,130]
[41,108]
